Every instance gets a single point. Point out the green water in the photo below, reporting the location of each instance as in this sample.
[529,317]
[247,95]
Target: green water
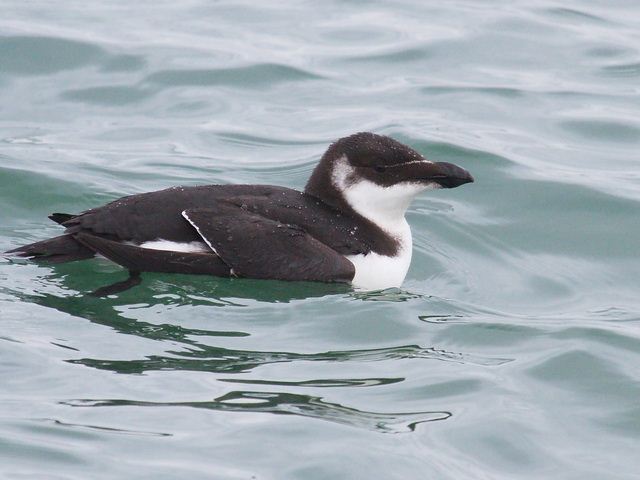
[513,348]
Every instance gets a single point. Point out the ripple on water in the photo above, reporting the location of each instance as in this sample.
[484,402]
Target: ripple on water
[251,76]
[602,130]
[410,53]
[577,15]
[586,376]
[79,430]
[43,450]
[622,70]
[322,383]
[124,63]
[134,134]
[466,90]
[111,95]
[31,55]
[251,139]
[290,404]
[206,358]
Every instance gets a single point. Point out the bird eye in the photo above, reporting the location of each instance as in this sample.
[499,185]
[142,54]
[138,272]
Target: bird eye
[380,168]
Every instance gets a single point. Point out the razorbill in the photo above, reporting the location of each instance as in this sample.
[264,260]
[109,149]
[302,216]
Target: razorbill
[347,226]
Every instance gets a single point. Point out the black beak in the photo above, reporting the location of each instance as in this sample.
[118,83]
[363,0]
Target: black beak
[450,175]
[447,175]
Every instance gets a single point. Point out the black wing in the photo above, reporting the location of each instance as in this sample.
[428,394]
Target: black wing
[258,247]
[153,215]
[150,216]
[148,260]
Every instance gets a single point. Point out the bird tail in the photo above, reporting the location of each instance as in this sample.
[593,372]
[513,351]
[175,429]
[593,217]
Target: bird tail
[60,218]
[54,250]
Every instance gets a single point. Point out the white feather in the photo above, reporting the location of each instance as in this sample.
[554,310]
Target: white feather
[374,271]
[186,247]
[386,207]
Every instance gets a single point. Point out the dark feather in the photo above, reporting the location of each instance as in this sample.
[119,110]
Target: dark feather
[118,287]
[55,250]
[150,216]
[148,260]
[258,247]
[60,218]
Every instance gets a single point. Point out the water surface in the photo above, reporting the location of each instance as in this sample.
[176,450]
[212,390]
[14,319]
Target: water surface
[511,351]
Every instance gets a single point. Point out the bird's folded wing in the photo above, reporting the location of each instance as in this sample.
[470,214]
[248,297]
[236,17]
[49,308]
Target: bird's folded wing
[148,260]
[258,247]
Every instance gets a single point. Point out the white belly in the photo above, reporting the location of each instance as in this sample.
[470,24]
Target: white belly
[375,272]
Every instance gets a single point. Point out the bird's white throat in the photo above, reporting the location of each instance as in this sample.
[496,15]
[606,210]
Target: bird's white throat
[385,207]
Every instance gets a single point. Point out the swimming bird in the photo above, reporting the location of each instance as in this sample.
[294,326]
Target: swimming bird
[348,225]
